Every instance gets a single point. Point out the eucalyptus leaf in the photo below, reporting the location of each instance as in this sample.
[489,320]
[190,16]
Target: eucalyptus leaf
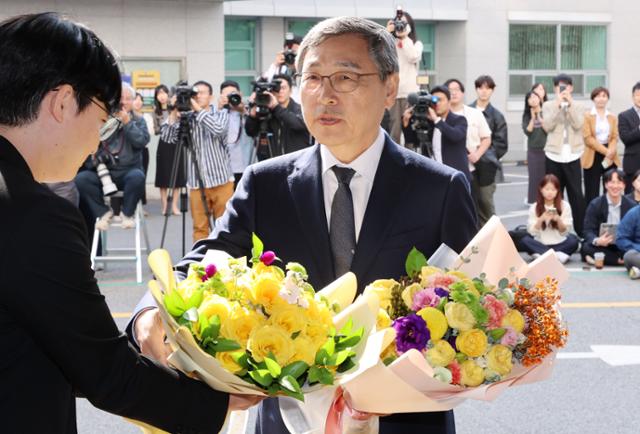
[503,283]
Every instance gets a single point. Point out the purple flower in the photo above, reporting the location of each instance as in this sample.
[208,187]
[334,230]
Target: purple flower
[452,342]
[267,257]
[424,298]
[441,292]
[411,332]
[211,270]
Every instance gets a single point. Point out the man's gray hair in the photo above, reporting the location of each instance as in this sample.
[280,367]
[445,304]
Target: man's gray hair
[382,46]
[127,88]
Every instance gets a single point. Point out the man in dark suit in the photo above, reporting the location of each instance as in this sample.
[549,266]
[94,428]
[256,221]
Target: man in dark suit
[356,202]
[611,207]
[57,335]
[448,137]
[629,128]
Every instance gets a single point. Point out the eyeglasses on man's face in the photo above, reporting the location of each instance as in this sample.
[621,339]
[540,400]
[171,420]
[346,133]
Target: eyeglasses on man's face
[110,126]
[340,81]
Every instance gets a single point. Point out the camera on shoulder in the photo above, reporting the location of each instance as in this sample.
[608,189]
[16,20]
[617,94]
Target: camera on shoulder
[263,88]
[421,101]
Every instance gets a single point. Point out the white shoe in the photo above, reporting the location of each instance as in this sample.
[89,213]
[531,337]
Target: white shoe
[128,222]
[535,255]
[562,257]
[103,222]
[634,273]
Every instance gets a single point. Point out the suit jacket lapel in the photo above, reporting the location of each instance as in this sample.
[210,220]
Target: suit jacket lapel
[387,194]
[305,184]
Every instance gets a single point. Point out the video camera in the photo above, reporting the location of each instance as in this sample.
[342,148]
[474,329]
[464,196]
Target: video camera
[421,101]
[289,54]
[184,93]
[262,88]
[398,24]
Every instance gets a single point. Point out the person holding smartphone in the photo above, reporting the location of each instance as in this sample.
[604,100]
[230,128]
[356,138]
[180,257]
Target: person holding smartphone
[550,223]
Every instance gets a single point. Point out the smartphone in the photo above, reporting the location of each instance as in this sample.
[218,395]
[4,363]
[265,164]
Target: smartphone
[552,210]
[563,87]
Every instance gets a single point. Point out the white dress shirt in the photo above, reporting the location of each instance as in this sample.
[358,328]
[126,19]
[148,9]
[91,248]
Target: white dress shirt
[361,184]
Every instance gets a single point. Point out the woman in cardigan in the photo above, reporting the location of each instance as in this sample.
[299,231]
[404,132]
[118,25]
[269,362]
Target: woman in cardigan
[536,139]
[600,133]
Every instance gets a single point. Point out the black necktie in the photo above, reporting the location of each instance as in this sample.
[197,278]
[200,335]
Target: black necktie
[342,229]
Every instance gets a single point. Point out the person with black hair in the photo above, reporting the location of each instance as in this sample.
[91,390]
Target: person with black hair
[608,208]
[536,140]
[286,127]
[125,149]
[208,127]
[409,50]
[635,184]
[629,128]
[165,154]
[281,67]
[563,119]
[59,86]
[238,143]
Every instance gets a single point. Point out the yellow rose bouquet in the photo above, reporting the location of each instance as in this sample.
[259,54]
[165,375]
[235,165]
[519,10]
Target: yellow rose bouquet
[249,326]
[466,327]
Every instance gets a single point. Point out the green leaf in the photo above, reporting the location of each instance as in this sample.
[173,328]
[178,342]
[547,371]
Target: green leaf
[291,387]
[350,341]
[389,360]
[325,352]
[196,299]
[295,369]
[262,377]
[257,249]
[273,367]
[339,357]
[174,303]
[212,330]
[223,345]
[346,329]
[497,334]
[442,304]
[241,358]
[326,377]
[314,374]
[273,389]
[414,263]
[297,268]
[295,334]
[460,357]
[348,364]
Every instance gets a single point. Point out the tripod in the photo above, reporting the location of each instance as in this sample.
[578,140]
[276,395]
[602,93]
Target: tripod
[185,143]
[263,149]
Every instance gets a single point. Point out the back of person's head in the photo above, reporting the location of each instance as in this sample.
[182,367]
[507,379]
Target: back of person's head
[485,80]
[39,52]
[562,78]
[442,89]
[455,80]
[204,83]
[635,176]
[284,77]
[229,83]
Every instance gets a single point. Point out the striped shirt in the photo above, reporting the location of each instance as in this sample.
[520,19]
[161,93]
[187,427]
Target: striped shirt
[208,132]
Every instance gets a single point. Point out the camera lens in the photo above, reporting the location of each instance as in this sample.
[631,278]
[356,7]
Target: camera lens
[234,99]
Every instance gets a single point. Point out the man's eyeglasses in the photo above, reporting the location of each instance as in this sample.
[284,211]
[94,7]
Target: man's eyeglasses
[110,126]
[341,81]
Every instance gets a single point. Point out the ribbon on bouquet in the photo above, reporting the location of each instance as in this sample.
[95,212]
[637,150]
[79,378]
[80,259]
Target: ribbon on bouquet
[340,407]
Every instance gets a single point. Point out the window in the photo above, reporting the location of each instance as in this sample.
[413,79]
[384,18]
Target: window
[537,52]
[301,27]
[240,51]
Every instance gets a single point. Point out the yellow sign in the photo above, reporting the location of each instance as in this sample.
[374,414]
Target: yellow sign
[145,79]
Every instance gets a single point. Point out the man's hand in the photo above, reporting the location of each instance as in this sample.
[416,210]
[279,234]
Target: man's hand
[150,336]
[243,402]
[274,101]
[195,106]
[406,117]
[473,157]
[124,117]
[222,101]
[279,59]
[431,114]
[604,240]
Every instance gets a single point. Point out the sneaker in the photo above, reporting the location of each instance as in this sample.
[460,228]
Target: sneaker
[103,222]
[634,273]
[128,222]
[535,255]
[562,257]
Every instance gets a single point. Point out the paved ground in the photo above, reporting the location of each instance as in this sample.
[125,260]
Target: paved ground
[584,395]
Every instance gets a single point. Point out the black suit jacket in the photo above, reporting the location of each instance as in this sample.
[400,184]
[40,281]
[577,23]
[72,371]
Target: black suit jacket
[454,142]
[56,332]
[597,213]
[289,131]
[414,202]
[629,128]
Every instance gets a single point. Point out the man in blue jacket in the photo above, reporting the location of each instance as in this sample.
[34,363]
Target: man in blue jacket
[628,240]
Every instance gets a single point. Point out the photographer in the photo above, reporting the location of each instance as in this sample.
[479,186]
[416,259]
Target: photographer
[284,123]
[208,127]
[447,132]
[121,153]
[409,50]
[285,63]
[238,143]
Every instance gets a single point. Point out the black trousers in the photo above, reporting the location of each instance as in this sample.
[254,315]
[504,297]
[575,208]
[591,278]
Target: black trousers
[611,253]
[570,175]
[593,178]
